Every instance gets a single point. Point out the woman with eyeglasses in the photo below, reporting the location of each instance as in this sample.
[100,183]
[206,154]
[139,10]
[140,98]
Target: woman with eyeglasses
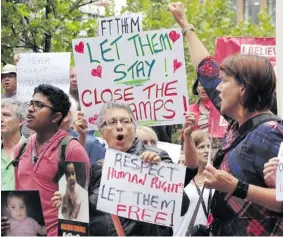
[117,126]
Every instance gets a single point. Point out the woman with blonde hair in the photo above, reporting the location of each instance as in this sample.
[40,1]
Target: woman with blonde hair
[202,142]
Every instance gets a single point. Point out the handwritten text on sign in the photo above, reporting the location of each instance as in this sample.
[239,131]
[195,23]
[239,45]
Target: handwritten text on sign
[118,25]
[141,191]
[279,176]
[34,69]
[145,70]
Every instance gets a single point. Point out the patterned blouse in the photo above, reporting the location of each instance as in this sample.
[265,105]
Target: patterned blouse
[232,215]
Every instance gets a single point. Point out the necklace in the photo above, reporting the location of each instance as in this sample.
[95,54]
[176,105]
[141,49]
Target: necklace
[198,181]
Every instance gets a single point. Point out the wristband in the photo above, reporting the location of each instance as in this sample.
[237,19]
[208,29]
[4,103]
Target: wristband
[188,28]
[241,190]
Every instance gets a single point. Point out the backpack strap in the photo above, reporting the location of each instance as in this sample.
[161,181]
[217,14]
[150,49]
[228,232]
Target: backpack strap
[62,156]
[63,147]
[22,149]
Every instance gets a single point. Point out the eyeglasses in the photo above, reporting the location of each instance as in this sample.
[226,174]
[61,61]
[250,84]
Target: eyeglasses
[38,105]
[113,122]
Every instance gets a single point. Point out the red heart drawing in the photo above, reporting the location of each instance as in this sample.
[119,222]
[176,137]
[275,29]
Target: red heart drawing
[174,36]
[79,48]
[93,119]
[97,72]
[177,65]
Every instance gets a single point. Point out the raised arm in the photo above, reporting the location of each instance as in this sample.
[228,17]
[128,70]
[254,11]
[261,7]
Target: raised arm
[197,50]
[208,70]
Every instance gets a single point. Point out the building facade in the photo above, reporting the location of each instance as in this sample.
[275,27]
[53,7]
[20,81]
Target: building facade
[249,9]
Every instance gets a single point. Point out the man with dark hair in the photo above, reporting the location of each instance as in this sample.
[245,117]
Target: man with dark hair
[38,164]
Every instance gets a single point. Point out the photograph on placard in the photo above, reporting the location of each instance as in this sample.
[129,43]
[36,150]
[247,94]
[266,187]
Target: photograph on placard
[24,213]
[73,213]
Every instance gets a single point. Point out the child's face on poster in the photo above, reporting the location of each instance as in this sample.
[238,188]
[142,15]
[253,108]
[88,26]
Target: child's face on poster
[17,208]
[71,176]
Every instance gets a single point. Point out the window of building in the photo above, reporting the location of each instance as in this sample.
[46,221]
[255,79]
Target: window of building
[233,5]
[272,10]
[252,9]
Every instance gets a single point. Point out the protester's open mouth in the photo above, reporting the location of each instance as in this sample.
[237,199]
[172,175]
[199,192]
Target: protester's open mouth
[120,138]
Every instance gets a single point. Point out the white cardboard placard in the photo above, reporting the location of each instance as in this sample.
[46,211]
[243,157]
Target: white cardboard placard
[118,25]
[146,70]
[279,176]
[141,191]
[34,69]
[174,150]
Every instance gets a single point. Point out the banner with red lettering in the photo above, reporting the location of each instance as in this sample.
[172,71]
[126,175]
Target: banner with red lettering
[145,70]
[141,191]
[227,46]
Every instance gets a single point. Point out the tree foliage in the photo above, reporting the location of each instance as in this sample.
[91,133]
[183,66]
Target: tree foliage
[43,25]
[211,19]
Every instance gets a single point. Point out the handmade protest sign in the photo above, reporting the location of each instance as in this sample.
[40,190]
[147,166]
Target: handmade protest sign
[145,70]
[118,25]
[279,176]
[34,69]
[141,191]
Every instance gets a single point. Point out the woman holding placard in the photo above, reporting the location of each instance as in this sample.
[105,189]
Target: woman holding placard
[117,125]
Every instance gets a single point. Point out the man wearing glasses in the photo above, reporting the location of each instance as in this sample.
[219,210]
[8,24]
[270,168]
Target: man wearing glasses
[9,81]
[38,165]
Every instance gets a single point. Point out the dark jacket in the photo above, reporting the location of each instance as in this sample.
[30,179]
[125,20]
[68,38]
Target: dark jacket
[101,223]
[164,133]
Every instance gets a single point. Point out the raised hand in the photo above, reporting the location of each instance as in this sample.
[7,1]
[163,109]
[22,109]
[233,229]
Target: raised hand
[178,11]
[189,124]
[80,125]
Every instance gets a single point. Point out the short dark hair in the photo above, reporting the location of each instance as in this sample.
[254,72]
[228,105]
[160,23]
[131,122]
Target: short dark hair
[195,87]
[59,99]
[13,194]
[257,76]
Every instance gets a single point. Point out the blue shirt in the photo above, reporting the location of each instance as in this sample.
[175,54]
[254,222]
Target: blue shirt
[94,148]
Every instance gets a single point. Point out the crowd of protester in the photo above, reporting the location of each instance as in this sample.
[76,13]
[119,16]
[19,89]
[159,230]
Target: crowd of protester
[236,170]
